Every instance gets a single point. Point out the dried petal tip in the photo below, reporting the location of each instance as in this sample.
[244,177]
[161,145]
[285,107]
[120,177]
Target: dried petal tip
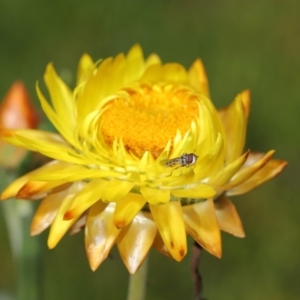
[228,218]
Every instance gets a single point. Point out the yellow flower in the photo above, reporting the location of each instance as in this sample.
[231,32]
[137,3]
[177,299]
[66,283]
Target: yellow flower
[118,130]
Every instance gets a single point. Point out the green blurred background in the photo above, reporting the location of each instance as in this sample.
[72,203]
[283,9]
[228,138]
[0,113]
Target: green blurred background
[244,44]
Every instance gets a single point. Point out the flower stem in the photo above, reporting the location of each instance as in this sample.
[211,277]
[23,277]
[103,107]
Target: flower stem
[25,249]
[138,282]
[197,278]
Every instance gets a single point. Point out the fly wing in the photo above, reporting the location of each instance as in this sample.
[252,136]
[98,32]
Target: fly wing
[170,162]
[164,162]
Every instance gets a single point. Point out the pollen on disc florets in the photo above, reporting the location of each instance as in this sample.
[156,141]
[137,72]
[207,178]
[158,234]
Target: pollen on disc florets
[149,117]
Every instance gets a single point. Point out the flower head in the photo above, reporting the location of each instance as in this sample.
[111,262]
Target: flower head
[142,157]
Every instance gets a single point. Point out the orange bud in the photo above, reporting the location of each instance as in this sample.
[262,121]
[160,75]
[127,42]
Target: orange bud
[16,110]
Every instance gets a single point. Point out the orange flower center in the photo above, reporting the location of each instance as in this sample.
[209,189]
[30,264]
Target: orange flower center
[149,117]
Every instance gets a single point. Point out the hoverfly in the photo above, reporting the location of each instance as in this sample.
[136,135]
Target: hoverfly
[185,160]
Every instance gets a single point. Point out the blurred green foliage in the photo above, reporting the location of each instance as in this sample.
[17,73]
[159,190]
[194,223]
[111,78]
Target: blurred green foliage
[244,44]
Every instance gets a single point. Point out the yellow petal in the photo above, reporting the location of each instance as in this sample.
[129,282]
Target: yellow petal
[62,98]
[210,163]
[60,226]
[269,171]
[247,172]
[169,220]
[227,172]
[59,170]
[118,72]
[100,233]
[152,59]
[235,118]
[104,81]
[104,85]
[135,241]
[155,196]
[153,73]
[198,78]
[212,143]
[16,185]
[127,208]
[185,144]
[173,72]
[201,191]
[228,217]
[66,131]
[89,195]
[49,144]
[37,188]
[201,223]
[94,89]
[46,212]
[85,66]
[135,63]
[160,246]
[116,189]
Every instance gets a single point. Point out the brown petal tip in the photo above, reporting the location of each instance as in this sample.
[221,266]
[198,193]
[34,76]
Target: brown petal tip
[182,253]
[120,223]
[26,191]
[69,215]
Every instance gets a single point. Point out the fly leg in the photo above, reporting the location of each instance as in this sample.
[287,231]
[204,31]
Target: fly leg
[173,171]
